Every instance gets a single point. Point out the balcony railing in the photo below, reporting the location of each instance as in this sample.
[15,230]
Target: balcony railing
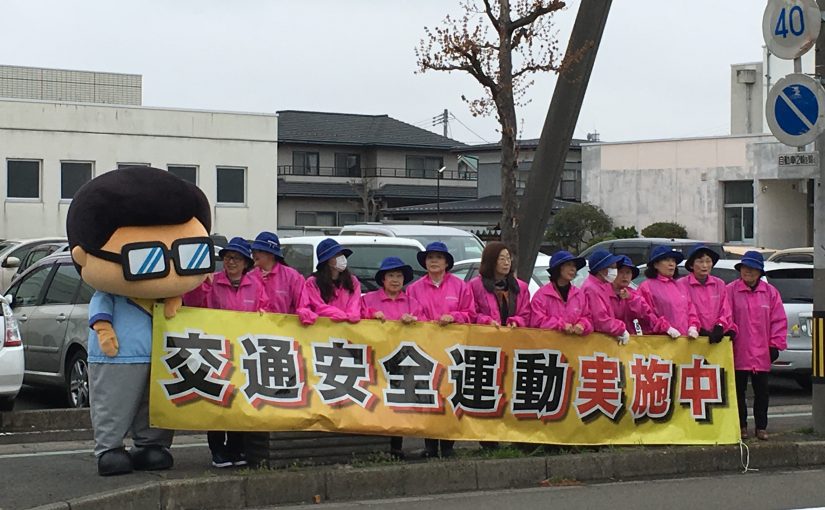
[357,173]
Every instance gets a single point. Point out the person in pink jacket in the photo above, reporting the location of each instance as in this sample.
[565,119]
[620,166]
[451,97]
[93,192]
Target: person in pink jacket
[390,302]
[559,305]
[234,288]
[500,298]
[283,284]
[445,299]
[665,297]
[332,291]
[599,295]
[629,306]
[761,332]
[707,293]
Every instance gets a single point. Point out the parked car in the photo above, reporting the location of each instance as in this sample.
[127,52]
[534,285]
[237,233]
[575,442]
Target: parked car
[50,303]
[37,253]
[11,358]
[468,269]
[639,248]
[367,254]
[13,251]
[462,244]
[735,251]
[797,255]
[795,285]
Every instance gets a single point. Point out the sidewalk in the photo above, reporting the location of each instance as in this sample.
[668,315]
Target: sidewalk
[64,476]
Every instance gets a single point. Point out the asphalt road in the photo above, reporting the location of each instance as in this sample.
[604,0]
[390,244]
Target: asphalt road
[752,491]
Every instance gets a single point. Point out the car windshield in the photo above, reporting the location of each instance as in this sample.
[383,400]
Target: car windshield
[461,247]
[366,259]
[541,275]
[6,245]
[794,285]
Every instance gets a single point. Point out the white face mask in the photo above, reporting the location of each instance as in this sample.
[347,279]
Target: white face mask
[611,275]
[340,263]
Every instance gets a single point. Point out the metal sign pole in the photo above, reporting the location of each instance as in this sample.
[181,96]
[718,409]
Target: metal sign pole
[818,333]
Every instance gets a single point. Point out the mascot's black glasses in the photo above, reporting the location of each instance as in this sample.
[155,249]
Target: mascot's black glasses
[150,259]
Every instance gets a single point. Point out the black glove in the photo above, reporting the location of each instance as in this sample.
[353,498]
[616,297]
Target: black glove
[716,335]
[704,332]
[774,354]
[730,333]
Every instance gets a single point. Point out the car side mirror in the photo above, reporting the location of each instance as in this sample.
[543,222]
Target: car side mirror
[11,262]
[9,299]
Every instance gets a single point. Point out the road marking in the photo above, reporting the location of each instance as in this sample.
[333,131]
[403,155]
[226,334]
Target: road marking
[75,452]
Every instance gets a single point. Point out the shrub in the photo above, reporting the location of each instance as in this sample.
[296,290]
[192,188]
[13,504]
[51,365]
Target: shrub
[664,229]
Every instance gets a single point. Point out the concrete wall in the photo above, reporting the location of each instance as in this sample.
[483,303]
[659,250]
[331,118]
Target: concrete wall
[781,213]
[68,85]
[746,99]
[108,135]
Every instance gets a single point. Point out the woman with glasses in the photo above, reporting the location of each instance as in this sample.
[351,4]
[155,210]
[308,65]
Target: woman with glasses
[666,298]
[236,289]
[332,291]
[559,305]
[283,284]
[500,298]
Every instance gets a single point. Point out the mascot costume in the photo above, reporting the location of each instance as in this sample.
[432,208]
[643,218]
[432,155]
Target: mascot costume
[137,235]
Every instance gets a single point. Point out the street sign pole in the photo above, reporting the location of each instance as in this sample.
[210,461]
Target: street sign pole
[818,333]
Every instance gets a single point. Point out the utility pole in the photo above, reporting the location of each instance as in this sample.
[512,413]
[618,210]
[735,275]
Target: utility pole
[818,333]
[443,119]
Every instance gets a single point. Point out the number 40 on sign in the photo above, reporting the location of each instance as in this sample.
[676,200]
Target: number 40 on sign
[790,27]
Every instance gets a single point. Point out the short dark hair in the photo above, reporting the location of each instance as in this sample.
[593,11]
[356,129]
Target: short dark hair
[134,196]
[489,259]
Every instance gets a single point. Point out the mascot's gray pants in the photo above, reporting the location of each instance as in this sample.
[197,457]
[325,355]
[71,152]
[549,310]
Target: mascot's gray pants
[119,401]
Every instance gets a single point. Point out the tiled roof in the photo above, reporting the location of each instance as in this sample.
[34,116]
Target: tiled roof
[357,130]
[485,204]
[530,143]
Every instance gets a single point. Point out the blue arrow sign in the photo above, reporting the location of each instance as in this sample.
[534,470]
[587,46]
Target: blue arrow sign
[796,109]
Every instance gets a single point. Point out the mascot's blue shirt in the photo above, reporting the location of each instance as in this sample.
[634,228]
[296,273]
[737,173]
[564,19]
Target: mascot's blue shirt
[132,322]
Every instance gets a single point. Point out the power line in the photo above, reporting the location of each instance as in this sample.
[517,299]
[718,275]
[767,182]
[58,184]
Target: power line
[468,129]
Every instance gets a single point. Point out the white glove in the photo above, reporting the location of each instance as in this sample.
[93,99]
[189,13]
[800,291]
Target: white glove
[693,333]
[673,332]
[623,338]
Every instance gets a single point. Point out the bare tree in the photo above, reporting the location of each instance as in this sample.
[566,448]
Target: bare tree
[522,42]
[370,205]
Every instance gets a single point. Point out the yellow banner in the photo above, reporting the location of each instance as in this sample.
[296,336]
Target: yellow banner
[220,370]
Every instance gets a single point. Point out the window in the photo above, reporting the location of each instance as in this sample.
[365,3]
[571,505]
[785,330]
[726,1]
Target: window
[348,218]
[424,166]
[316,219]
[794,285]
[305,163]
[27,292]
[84,295]
[739,211]
[23,178]
[73,175]
[186,172]
[366,259]
[231,185]
[299,257]
[63,286]
[570,186]
[348,165]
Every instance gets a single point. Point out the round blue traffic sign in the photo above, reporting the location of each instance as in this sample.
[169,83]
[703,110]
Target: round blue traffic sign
[795,110]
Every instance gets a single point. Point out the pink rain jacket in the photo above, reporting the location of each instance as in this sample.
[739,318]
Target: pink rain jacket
[670,302]
[487,309]
[250,296]
[635,307]
[378,301]
[345,305]
[283,285]
[452,297]
[710,300]
[548,311]
[760,323]
[599,296]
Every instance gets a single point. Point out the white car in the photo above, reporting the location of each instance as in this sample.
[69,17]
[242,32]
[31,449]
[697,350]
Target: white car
[367,254]
[13,251]
[11,358]
[468,269]
[463,245]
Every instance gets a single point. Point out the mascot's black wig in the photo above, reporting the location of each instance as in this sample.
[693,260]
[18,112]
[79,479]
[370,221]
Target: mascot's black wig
[134,196]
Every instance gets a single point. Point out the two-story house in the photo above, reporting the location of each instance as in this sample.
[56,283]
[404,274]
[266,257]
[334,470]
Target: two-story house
[337,169]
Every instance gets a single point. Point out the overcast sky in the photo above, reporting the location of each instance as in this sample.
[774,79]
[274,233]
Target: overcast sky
[663,69]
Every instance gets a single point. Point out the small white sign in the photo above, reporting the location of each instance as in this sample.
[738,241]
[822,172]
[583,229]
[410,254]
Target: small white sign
[790,27]
[798,159]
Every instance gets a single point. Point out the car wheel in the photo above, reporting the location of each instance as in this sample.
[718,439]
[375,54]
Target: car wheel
[6,404]
[77,380]
[804,380]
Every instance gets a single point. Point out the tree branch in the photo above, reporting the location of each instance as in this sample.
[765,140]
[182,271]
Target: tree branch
[553,6]
[489,10]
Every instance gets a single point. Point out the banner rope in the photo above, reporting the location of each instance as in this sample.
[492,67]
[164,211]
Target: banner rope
[745,457]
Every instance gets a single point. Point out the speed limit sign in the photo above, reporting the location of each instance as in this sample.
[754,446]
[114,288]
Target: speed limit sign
[790,27]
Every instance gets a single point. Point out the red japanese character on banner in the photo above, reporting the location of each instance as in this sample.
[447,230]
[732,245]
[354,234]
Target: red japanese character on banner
[652,387]
[700,385]
[600,386]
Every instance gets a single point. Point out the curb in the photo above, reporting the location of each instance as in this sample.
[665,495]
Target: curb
[343,483]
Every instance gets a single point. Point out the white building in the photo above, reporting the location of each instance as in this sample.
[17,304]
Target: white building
[48,149]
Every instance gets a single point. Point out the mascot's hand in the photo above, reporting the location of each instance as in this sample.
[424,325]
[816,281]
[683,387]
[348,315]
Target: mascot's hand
[106,337]
[171,306]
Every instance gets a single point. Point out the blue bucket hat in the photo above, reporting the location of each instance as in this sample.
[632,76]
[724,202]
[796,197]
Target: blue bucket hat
[697,251]
[601,259]
[327,249]
[665,252]
[393,264]
[752,259]
[626,262]
[238,245]
[560,257]
[268,242]
[435,247]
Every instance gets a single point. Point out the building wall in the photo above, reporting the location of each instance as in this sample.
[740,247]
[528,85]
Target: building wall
[69,86]
[781,214]
[108,135]
[746,99]
[288,206]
